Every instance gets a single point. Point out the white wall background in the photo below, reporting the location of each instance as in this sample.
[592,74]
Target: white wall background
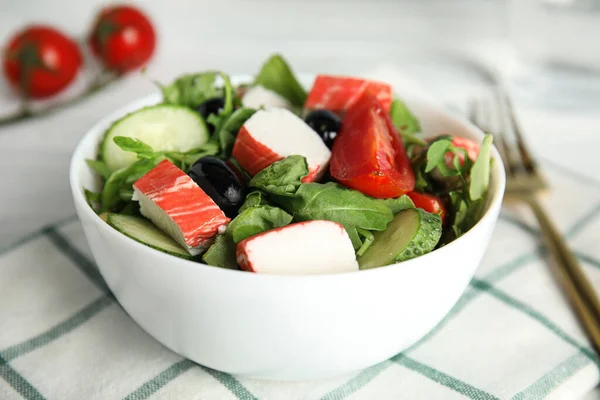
[237,35]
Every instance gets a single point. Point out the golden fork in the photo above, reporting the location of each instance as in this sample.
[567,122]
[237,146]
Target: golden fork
[524,185]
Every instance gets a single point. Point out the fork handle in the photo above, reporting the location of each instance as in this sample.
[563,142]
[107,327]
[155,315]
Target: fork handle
[578,287]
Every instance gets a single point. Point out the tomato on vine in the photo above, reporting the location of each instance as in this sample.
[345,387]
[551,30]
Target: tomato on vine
[40,61]
[123,38]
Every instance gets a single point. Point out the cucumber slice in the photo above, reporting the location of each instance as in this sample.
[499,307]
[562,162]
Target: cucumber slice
[165,127]
[411,233]
[144,231]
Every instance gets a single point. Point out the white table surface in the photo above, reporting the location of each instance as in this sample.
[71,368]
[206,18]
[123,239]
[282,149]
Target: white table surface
[328,36]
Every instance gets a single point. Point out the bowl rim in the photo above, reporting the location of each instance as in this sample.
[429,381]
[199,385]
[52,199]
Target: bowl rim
[77,163]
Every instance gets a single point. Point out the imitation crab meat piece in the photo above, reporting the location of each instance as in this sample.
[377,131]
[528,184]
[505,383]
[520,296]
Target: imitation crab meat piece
[339,93]
[303,248]
[258,96]
[177,205]
[271,135]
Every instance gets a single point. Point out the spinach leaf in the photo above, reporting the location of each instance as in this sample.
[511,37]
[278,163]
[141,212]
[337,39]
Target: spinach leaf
[333,202]
[403,119]
[254,199]
[276,75]
[330,201]
[99,167]
[283,177]
[480,172]
[221,253]
[250,222]
[398,204]
[228,132]
[436,154]
[191,90]
[134,145]
[255,220]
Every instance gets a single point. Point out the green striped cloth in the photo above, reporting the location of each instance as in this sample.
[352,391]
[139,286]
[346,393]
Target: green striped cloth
[511,335]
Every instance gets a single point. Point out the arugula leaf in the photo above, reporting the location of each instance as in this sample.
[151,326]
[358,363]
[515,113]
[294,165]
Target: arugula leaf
[192,89]
[435,153]
[398,204]
[333,202]
[123,179]
[210,148]
[99,167]
[228,132]
[330,201]
[134,145]
[283,177]
[403,119]
[218,120]
[254,199]
[92,198]
[410,140]
[252,221]
[276,75]
[480,172]
[367,242]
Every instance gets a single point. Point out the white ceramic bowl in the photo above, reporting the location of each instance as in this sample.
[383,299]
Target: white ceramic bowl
[284,327]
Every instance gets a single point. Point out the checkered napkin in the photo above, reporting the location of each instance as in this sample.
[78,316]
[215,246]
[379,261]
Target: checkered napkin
[511,335]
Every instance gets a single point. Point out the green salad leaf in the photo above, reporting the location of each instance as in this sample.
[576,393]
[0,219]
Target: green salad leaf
[221,253]
[254,199]
[123,179]
[250,222]
[134,145]
[256,220]
[436,153]
[92,198]
[398,204]
[403,119]
[276,75]
[480,172]
[367,240]
[99,167]
[228,132]
[210,148]
[334,202]
[191,90]
[283,177]
[316,201]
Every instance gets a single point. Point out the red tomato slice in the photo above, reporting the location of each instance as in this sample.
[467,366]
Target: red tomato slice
[339,93]
[429,203]
[368,154]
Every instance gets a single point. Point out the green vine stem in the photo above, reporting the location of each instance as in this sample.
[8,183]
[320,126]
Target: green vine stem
[102,80]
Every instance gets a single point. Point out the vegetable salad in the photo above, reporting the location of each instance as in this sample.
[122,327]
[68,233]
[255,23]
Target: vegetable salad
[243,176]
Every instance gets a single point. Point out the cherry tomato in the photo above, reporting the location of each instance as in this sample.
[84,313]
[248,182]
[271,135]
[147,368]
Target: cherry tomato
[368,154]
[470,146]
[40,61]
[122,38]
[429,203]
